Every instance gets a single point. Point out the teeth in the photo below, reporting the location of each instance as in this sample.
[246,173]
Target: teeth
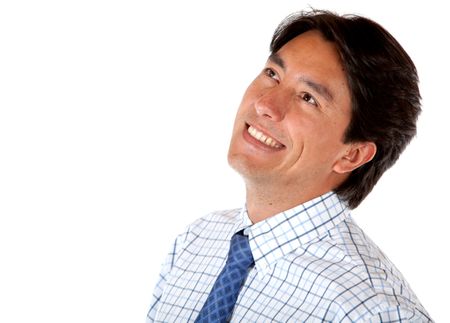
[263,138]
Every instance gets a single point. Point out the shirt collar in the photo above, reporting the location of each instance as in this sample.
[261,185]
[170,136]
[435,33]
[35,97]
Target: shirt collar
[284,232]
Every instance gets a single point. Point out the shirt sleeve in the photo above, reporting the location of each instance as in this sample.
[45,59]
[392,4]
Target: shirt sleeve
[163,276]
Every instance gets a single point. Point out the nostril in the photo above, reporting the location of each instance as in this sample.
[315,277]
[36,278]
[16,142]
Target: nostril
[263,109]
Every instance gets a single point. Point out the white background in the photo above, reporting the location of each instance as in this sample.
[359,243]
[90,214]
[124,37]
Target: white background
[115,119]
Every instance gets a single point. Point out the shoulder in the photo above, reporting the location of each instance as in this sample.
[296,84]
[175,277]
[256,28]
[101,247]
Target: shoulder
[374,290]
[224,217]
[210,226]
[217,220]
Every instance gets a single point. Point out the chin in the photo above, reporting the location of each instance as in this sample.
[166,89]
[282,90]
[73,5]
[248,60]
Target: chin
[247,168]
[240,164]
[236,161]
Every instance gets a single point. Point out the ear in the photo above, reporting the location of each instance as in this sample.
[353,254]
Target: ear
[356,155]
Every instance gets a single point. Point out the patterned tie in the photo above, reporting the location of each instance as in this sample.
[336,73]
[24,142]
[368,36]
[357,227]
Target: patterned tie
[220,302]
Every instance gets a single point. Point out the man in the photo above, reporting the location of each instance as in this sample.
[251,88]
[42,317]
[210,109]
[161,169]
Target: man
[333,108]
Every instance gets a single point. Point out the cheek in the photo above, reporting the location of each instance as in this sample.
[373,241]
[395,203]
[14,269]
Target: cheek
[317,139]
[246,108]
[256,89]
[246,101]
[329,137]
[330,144]
[251,94]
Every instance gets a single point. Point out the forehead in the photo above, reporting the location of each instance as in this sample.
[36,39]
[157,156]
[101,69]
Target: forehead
[312,49]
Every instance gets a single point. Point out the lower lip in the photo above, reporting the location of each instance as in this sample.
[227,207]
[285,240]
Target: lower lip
[258,144]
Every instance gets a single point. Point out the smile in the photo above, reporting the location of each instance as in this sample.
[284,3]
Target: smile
[258,135]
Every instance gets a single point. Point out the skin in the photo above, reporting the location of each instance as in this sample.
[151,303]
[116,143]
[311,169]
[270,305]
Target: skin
[302,101]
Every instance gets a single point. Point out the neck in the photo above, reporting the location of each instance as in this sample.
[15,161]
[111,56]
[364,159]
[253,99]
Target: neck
[264,201]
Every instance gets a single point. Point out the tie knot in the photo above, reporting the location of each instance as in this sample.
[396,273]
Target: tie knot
[240,253]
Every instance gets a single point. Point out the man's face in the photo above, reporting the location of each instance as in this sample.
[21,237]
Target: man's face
[292,119]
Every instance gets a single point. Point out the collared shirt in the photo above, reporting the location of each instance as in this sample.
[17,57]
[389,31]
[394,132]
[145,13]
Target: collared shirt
[312,264]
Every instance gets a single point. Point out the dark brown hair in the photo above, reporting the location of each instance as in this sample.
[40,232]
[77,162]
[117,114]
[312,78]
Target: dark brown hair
[383,83]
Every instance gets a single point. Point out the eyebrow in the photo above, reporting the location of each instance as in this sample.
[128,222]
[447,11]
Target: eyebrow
[319,88]
[275,58]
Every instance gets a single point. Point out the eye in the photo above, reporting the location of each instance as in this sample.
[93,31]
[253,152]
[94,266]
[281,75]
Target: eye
[270,73]
[309,99]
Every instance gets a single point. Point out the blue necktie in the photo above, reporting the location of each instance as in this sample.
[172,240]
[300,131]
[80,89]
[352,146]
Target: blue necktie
[220,302]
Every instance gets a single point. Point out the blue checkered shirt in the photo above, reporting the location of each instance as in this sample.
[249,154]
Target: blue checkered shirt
[312,264]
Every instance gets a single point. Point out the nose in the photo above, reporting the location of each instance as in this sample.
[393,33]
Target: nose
[272,104]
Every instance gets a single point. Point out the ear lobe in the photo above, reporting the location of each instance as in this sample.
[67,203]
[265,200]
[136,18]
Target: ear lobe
[358,154]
